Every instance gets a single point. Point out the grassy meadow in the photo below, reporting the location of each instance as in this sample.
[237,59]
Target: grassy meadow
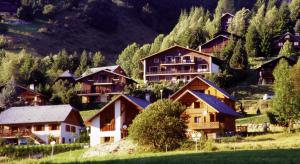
[268,148]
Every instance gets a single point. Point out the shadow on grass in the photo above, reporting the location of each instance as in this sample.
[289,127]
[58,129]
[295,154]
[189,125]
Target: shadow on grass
[289,156]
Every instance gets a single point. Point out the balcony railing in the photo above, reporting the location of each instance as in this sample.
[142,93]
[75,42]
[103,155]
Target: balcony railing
[104,91]
[99,82]
[15,133]
[205,125]
[177,71]
[182,61]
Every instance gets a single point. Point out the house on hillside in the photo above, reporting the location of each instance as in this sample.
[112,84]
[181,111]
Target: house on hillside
[38,123]
[209,108]
[101,83]
[178,64]
[217,44]
[111,122]
[265,71]
[28,96]
[279,41]
[226,20]
[67,76]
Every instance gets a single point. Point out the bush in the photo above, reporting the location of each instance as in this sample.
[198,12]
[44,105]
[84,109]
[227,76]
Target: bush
[49,10]
[160,125]
[231,139]
[29,150]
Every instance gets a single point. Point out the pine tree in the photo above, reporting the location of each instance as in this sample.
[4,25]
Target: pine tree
[285,22]
[285,98]
[155,46]
[239,22]
[295,9]
[83,66]
[239,57]
[98,59]
[252,42]
[125,58]
[287,49]
[297,26]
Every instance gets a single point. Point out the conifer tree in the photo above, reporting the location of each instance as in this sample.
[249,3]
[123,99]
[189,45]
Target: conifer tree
[239,58]
[98,59]
[287,49]
[252,42]
[125,58]
[285,22]
[239,22]
[295,9]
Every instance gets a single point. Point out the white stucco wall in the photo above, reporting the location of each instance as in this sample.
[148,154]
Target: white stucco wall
[214,68]
[96,134]
[69,135]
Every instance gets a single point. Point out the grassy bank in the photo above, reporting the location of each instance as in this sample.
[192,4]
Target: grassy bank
[269,148]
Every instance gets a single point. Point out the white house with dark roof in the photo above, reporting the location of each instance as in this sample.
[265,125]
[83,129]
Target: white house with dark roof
[110,123]
[38,123]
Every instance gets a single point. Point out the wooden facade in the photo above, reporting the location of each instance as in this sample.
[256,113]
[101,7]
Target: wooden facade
[280,40]
[178,64]
[202,116]
[226,20]
[215,45]
[265,71]
[99,86]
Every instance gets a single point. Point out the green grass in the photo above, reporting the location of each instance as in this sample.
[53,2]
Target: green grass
[269,148]
[258,119]
[87,114]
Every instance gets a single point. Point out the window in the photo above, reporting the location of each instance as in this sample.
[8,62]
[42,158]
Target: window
[296,43]
[202,67]
[68,128]
[196,104]
[54,127]
[153,69]
[73,129]
[177,59]
[204,119]
[196,119]
[156,60]
[186,68]
[169,59]
[39,128]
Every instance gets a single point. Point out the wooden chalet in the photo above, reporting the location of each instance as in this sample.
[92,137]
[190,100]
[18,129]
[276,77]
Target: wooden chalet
[226,20]
[178,64]
[111,122]
[280,40]
[218,43]
[265,71]
[209,108]
[99,84]
[35,123]
[28,96]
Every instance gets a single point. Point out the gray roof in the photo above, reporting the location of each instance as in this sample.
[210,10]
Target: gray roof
[216,104]
[97,69]
[67,74]
[140,102]
[35,114]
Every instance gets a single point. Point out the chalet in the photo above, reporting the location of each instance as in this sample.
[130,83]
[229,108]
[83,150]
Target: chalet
[280,40]
[100,84]
[226,21]
[265,71]
[209,108]
[178,64]
[36,123]
[66,76]
[28,96]
[218,43]
[110,123]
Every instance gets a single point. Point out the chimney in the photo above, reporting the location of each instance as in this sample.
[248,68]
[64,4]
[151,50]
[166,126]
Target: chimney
[31,86]
[199,48]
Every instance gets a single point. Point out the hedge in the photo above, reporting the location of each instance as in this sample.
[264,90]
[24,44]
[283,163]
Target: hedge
[29,150]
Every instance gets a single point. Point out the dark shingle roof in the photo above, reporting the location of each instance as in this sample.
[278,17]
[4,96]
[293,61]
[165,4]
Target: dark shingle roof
[216,103]
[35,114]
[140,102]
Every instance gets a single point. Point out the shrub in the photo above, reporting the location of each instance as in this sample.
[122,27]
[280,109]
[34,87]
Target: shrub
[28,150]
[231,139]
[3,42]
[160,125]
[209,145]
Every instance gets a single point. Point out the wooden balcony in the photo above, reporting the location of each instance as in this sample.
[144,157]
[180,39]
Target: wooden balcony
[174,72]
[178,62]
[14,133]
[205,125]
[103,82]
[97,92]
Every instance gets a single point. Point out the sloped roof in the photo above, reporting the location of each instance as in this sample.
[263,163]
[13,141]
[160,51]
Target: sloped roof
[35,114]
[141,103]
[289,60]
[97,69]
[226,94]
[279,37]
[218,36]
[67,74]
[24,88]
[227,13]
[177,46]
[215,103]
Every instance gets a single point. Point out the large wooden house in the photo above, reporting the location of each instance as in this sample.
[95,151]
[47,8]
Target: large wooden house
[280,40]
[99,84]
[209,108]
[178,64]
[28,96]
[111,122]
[36,123]
[265,71]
